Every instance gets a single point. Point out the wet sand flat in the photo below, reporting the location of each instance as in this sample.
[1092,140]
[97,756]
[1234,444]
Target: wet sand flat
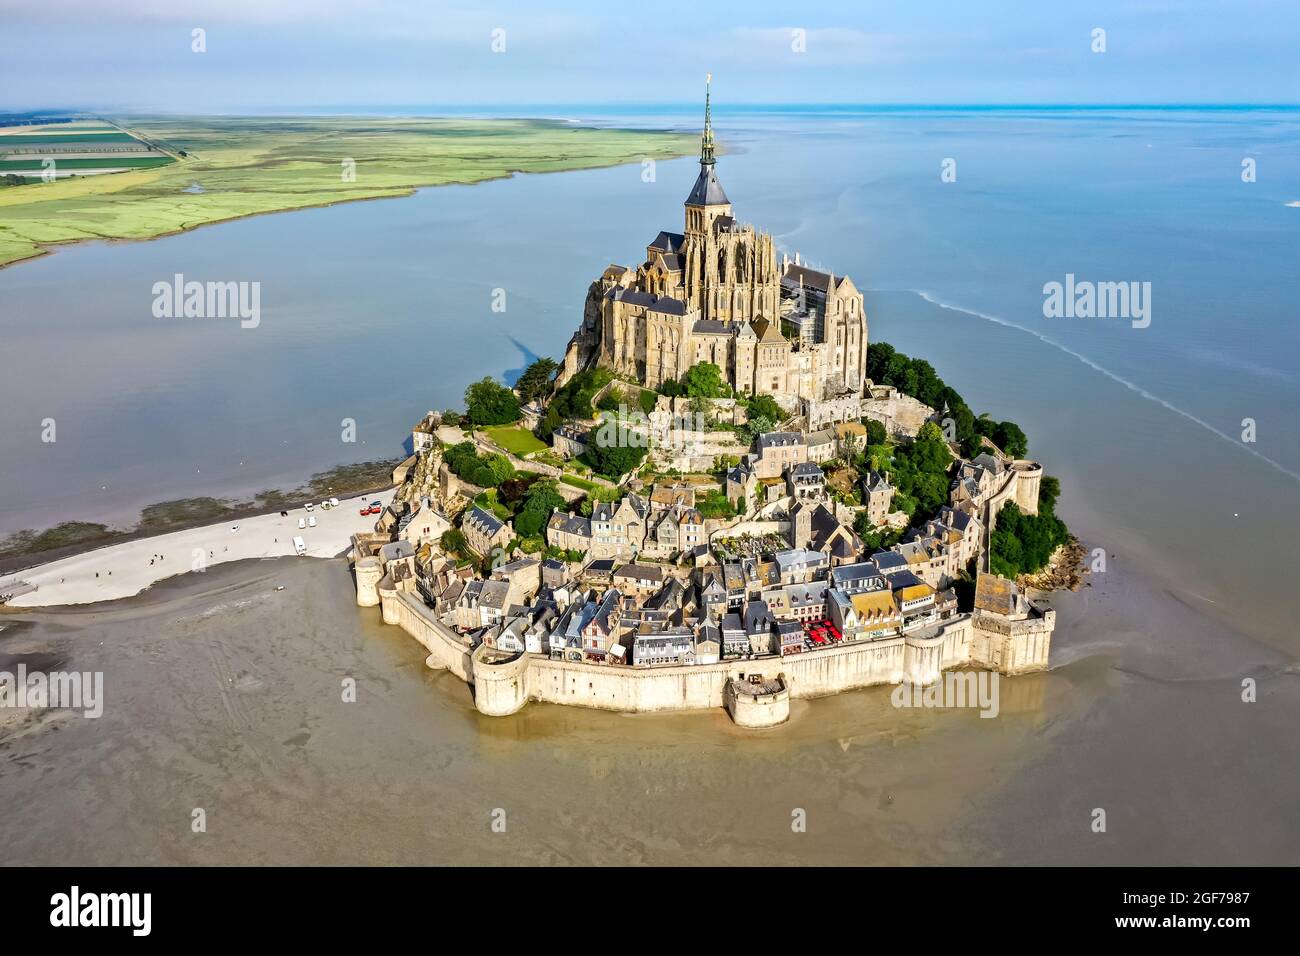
[225,694]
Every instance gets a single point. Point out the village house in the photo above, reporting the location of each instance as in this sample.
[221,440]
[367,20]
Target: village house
[864,615]
[800,565]
[814,527]
[855,578]
[712,593]
[522,576]
[424,525]
[878,496]
[821,445]
[673,645]
[570,532]
[760,629]
[679,528]
[666,496]
[789,637]
[806,481]
[742,484]
[778,451]
[638,580]
[735,641]
[598,624]
[618,529]
[570,440]
[484,531]
[481,604]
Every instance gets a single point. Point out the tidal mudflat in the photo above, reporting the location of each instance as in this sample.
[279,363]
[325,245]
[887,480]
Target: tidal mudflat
[224,693]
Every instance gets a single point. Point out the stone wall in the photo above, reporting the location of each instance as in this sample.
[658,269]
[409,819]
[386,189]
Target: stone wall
[748,709]
[504,686]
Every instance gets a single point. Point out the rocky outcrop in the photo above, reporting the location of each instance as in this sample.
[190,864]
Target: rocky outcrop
[422,478]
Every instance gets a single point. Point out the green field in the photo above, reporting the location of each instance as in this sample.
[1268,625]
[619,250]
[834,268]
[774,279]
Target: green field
[515,439]
[54,138]
[247,166]
[125,161]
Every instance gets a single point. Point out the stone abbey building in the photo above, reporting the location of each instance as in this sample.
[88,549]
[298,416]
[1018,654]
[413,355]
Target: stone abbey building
[718,293]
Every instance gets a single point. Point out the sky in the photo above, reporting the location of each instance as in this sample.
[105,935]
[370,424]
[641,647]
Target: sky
[272,55]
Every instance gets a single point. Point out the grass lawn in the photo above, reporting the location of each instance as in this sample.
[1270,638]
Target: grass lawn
[515,439]
[250,165]
[577,482]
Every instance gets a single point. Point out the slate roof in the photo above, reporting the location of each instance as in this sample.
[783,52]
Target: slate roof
[779,439]
[707,191]
[489,524]
[711,327]
[671,242]
[655,303]
[573,524]
[811,278]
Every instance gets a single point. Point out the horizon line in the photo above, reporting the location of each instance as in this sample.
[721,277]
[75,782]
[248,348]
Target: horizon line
[306,109]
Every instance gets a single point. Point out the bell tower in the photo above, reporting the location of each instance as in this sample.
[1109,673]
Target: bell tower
[707,200]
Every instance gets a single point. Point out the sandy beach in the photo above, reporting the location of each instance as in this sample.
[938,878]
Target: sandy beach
[122,570]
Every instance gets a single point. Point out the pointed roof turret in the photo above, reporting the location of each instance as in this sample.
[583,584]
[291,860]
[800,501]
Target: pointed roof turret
[707,190]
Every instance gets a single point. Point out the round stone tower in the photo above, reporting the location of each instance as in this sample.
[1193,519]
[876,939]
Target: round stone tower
[368,574]
[388,599]
[1029,475]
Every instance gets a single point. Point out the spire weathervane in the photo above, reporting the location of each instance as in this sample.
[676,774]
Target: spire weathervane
[706,141]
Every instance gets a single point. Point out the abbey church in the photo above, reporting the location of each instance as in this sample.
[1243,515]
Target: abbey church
[716,292]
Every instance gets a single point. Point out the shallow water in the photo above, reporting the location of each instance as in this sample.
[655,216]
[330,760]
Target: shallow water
[224,694]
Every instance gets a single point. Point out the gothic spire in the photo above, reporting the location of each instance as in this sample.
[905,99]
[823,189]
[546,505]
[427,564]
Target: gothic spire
[706,141]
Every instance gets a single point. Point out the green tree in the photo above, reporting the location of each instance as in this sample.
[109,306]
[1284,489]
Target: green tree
[876,434]
[704,380]
[614,459]
[541,501]
[453,542]
[537,380]
[759,425]
[714,504]
[573,401]
[1049,489]
[1023,544]
[766,406]
[488,403]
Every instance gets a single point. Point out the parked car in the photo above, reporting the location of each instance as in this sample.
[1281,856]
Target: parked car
[311,522]
[302,522]
[308,506]
[299,546]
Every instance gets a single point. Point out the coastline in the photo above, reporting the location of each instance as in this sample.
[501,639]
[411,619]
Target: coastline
[404,191]
[88,578]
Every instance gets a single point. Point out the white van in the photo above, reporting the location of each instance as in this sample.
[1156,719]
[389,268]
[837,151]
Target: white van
[299,546]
